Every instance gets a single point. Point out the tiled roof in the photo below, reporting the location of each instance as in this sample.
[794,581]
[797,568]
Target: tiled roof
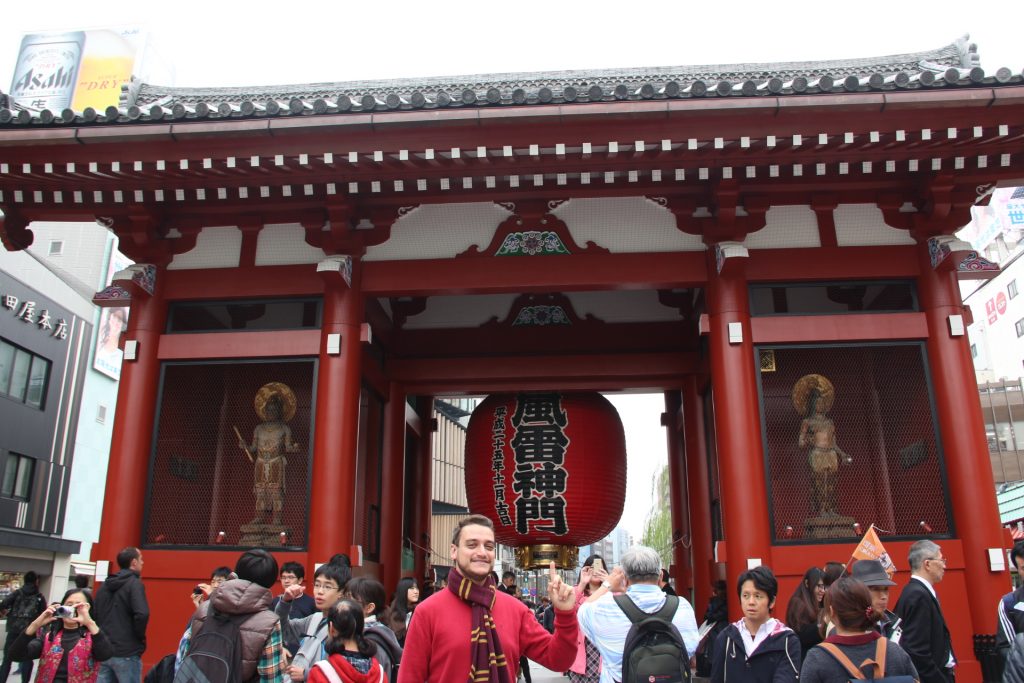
[955,65]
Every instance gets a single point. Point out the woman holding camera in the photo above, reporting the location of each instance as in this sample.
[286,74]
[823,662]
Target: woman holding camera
[66,641]
[587,667]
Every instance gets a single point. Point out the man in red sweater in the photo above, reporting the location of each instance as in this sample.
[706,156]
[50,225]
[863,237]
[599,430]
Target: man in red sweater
[439,647]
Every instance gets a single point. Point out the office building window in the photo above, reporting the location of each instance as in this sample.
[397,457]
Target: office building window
[1011,288]
[17,481]
[1020,327]
[56,247]
[23,375]
[974,350]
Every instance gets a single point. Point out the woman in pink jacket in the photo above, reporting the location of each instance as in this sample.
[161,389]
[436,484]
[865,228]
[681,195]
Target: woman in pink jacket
[587,667]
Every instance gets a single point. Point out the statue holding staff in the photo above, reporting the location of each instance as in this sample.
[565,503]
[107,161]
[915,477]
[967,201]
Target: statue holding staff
[271,441]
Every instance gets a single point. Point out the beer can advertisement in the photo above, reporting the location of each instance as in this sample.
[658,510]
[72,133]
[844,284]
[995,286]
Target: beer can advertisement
[75,69]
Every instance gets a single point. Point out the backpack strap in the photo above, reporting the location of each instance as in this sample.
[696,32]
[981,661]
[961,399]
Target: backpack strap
[636,615]
[880,649]
[844,660]
[328,671]
[313,626]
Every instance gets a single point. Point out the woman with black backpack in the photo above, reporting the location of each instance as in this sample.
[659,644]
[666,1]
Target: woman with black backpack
[21,607]
[66,641]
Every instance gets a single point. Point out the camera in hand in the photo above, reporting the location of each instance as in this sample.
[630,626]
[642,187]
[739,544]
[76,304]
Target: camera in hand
[198,590]
[65,612]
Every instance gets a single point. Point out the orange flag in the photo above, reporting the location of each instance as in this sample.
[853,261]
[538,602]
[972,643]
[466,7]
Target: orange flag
[870,548]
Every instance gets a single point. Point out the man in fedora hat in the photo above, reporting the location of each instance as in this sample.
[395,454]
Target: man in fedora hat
[873,575]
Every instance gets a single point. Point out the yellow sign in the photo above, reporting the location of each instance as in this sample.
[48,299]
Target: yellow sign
[107,63]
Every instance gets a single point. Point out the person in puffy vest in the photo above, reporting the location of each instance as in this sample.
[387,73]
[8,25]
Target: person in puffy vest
[249,594]
[21,607]
[70,648]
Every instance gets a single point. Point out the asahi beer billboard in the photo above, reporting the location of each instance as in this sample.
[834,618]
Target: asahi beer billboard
[74,69]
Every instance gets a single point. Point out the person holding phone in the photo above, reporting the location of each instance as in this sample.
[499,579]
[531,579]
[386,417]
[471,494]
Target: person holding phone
[587,667]
[66,641]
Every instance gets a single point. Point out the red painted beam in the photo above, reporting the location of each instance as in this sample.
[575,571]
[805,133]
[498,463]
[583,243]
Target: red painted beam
[850,327]
[590,372]
[239,344]
[242,283]
[582,272]
[582,338]
[836,263]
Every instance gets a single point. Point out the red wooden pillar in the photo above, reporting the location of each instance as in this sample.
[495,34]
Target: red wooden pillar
[968,469]
[698,492]
[737,421]
[132,438]
[678,496]
[393,488]
[335,443]
[424,498]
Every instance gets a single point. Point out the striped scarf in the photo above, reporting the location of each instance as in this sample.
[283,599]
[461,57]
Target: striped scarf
[488,662]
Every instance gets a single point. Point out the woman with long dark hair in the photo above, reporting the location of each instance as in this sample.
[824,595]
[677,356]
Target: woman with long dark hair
[368,593]
[407,596]
[66,641]
[587,667]
[804,609]
[349,653]
[856,642]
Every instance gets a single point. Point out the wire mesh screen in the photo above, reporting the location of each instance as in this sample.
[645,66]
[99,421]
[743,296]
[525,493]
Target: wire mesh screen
[850,442]
[232,455]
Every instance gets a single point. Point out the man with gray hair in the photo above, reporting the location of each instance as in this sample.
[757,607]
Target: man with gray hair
[925,636]
[607,625]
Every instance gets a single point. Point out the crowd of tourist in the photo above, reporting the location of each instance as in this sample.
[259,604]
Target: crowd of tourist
[616,625]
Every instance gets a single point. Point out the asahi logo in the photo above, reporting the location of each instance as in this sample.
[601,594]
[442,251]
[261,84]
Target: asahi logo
[35,81]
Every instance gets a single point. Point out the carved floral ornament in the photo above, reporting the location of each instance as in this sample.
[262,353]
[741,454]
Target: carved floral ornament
[532,230]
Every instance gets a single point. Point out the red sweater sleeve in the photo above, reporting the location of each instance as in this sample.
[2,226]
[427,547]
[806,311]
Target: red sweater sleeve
[415,654]
[556,651]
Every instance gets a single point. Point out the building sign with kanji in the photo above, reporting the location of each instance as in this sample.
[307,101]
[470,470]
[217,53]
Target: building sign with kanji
[40,318]
[546,467]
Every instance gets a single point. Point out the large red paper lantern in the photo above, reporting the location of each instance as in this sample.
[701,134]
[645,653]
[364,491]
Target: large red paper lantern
[549,469]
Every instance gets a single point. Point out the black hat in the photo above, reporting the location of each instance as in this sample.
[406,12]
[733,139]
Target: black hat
[871,573]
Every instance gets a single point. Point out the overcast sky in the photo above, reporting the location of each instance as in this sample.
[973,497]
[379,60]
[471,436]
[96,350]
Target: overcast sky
[225,42]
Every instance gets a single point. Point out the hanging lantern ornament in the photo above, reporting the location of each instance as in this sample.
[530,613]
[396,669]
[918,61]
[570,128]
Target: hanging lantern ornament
[549,469]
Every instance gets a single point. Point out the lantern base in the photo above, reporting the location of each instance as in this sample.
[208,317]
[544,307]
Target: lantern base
[540,556]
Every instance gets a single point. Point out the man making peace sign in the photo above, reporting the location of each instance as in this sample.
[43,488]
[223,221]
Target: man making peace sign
[473,632]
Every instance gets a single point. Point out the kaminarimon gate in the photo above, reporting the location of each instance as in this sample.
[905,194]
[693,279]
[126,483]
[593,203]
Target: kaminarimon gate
[770,245]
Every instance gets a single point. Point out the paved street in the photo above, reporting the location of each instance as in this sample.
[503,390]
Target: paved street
[541,675]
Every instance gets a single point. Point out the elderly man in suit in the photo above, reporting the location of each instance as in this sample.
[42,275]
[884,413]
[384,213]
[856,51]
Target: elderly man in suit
[925,636]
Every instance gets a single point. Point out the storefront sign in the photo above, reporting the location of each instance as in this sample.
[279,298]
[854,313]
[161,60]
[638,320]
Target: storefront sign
[27,312]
